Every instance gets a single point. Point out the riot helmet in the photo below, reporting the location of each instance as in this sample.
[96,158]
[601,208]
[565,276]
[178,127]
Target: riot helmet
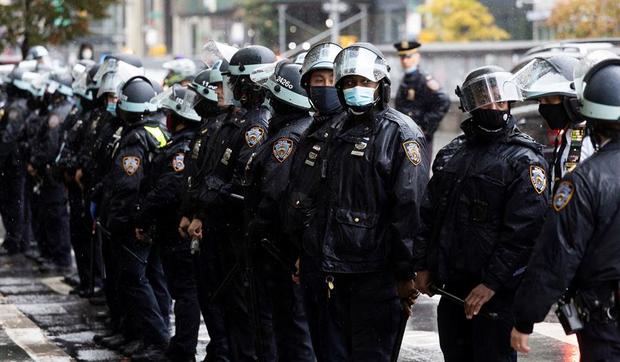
[134,99]
[241,65]
[584,66]
[175,100]
[600,96]
[550,80]
[283,82]
[362,61]
[126,65]
[486,94]
[324,98]
[179,71]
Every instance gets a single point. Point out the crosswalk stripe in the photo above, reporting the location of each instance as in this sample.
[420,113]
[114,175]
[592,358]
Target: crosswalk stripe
[555,331]
[28,336]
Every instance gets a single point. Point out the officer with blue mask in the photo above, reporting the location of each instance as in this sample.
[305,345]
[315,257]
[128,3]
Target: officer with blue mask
[357,244]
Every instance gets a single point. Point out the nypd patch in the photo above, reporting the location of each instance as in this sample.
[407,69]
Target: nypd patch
[254,135]
[282,149]
[538,179]
[412,150]
[563,195]
[178,162]
[131,164]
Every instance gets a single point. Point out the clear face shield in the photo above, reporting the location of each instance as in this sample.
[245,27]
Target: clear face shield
[362,62]
[112,65]
[486,89]
[214,51]
[110,83]
[539,78]
[37,83]
[80,86]
[185,106]
[584,65]
[320,57]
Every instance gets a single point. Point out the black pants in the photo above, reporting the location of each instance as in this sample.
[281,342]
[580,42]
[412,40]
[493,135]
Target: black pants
[290,325]
[480,339]
[12,193]
[54,237]
[84,244]
[599,342]
[209,275]
[177,263]
[143,282]
[356,321]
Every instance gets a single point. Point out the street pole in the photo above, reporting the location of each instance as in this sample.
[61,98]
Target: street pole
[282,27]
[334,14]
[364,22]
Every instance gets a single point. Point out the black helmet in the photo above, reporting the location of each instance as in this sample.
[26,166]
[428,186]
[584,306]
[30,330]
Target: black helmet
[205,81]
[543,77]
[250,58]
[178,100]
[60,83]
[284,85]
[600,97]
[134,99]
[486,85]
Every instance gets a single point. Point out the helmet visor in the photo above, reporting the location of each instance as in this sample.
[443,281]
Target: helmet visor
[213,51]
[584,65]
[539,78]
[186,106]
[320,57]
[359,61]
[487,89]
[110,83]
[260,76]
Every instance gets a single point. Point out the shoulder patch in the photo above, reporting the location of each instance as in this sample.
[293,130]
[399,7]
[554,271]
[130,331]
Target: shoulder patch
[282,149]
[538,178]
[178,162]
[131,164]
[254,135]
[412,150]
[563,195]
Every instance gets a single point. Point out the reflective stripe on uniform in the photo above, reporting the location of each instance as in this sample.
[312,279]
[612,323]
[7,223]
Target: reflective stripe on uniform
[158,134]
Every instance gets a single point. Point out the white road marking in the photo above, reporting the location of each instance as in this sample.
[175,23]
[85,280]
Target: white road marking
[57,284]
[28,336]
[555,331]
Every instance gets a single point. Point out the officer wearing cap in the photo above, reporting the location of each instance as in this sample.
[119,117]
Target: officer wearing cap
[578,252]
[419,95]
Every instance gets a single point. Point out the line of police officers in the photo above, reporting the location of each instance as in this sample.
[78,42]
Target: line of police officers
[290,205]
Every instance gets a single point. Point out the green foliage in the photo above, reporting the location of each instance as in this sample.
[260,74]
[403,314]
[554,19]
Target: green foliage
[459,20]
[31,22]
[262,18]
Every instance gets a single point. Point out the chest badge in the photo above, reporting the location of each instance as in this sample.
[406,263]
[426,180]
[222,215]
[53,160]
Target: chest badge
[410,94]
[131,164]
[282,149]
[538,179]
[254,135]
[178,162]
[358,149]
[412,150]
[563,195]
[226,156]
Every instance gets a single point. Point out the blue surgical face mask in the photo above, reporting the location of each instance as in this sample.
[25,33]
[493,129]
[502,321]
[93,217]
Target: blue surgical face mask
[359,96]
[411,69]
[111,108]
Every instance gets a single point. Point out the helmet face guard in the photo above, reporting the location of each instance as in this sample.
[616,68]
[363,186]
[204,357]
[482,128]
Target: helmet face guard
[320,57]
[214,51]
[486,89]
[280,87]
[356,60]
[539,78]
[584,66]
[600,98]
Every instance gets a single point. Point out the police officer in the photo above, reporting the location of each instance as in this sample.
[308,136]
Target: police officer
[206,93]
[53,236]
[578,248]
[357,245]
[483,208]
[140,275]
[419,95]
[74,132]
[549,81]
[157,219]
[180,71]
[221,208]
[267,176]
[317,78]
[12,162]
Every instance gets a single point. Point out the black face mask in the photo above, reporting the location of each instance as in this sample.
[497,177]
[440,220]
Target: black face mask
[325,100]
[206,108]
[554,114]
[490,119]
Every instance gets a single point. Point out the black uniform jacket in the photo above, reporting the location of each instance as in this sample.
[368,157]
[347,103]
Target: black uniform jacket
[483,209]
[579,247]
